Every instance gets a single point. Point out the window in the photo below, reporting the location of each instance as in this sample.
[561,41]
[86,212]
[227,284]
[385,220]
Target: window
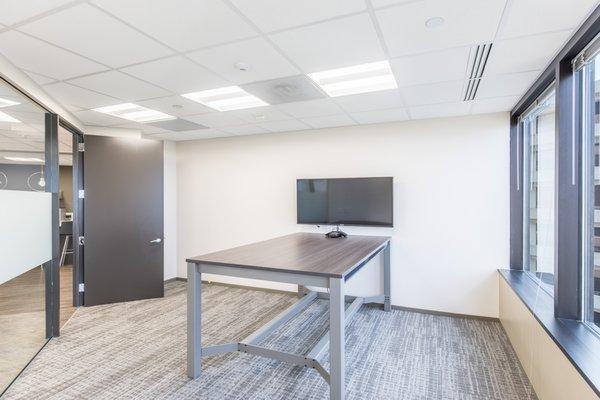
[538,195]
[589,78]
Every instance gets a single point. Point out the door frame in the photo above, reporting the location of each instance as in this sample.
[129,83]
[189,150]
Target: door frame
[78,209]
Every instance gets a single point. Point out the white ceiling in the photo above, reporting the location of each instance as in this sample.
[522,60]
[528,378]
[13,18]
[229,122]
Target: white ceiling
[26,139]
[88,54]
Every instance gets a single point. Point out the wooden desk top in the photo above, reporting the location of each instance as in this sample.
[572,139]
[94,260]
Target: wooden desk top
[303,253]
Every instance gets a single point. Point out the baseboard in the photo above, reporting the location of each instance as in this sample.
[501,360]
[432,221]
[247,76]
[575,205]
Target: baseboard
[400,308]
[176,279]
[445,314]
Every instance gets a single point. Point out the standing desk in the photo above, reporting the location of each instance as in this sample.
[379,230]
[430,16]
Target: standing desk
[304,259]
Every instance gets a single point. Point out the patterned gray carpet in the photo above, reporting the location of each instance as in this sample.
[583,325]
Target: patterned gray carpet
[137,351]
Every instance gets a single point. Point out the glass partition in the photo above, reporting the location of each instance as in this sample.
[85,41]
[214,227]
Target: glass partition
[538,181]
[25,232]
[589,76]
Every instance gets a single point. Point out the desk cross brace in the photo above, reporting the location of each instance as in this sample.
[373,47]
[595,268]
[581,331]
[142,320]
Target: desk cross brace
[310,359]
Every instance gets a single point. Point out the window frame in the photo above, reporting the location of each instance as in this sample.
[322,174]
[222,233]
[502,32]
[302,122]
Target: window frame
[584,66]
[568,272]
[528,122]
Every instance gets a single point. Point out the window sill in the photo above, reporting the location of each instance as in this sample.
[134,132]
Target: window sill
[579,343]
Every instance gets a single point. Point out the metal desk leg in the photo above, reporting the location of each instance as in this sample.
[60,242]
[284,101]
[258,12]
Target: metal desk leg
[337,357]
[387,291]
[194,321]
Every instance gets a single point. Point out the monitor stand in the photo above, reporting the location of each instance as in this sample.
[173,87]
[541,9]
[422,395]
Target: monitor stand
[336,233]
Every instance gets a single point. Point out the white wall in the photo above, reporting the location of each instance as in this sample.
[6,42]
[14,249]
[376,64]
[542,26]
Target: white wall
[25,232]
[451,207]
[170,211]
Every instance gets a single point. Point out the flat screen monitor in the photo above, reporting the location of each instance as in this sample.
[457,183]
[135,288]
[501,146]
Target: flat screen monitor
[345,201]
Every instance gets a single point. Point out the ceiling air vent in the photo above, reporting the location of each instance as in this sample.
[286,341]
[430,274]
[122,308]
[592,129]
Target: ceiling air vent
[285,90]
[477,63]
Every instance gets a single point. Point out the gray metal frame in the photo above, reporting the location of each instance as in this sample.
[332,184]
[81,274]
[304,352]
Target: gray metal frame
[339,316]
[51,267]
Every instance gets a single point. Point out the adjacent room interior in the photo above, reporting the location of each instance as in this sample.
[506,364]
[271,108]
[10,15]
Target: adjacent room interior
[317,199]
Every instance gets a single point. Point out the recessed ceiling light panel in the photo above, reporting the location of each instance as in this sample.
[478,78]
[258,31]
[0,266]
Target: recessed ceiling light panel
[4,117]
[133,112]
[361,78]
[226,98]
[7,103]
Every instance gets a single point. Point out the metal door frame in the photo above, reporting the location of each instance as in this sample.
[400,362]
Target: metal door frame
[78,210]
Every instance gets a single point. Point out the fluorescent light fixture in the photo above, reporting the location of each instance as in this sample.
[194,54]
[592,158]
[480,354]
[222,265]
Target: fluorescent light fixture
[4,117]
[361,78]
[24,159]
[226,98]
[133,112]
[7,103]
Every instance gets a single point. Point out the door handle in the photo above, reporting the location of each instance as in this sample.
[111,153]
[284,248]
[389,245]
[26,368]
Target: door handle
[157,240]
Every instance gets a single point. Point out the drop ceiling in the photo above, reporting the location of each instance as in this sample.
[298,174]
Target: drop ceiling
[26,138]
[91,54]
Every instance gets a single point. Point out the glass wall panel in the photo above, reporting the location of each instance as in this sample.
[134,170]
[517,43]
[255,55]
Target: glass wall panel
[25,232]
[538,128]
[590,78]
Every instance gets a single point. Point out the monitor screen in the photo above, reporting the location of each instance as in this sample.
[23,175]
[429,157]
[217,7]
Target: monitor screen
[345,201]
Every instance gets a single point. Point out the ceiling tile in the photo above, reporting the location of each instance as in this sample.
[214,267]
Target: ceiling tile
[177,125]
[260,114]
[445,92]
[177,74]
[39,79]
[92,33]
[378,116]
[244,130]
[204,134]
[497,104]
[506,85]
[383,3]
[284,126]
[172,136]
[89,117]
[288,89]
[425,68]
[69,95]
[312,108]
[64,148]
[440,110]
[216,119]
[467,22]
[144,128]
[14,11]
[19,146]
[328,121]
[182,24]
[527,17]
[339,43]
[263,61]
[525,53]
[270,15]
[119,85]
[177,106]
[39,57]
[371,101]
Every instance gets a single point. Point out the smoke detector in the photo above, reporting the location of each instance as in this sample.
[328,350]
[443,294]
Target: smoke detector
[435,22]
